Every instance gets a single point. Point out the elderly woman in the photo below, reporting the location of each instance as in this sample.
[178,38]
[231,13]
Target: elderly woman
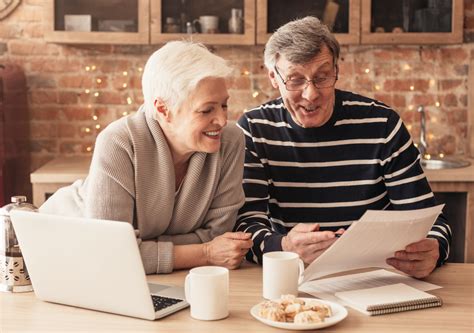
[173,169]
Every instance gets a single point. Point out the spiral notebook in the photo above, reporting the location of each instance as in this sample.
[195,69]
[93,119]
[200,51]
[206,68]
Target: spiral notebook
[388,299]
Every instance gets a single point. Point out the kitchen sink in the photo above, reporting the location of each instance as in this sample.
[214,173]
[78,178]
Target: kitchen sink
[445,163]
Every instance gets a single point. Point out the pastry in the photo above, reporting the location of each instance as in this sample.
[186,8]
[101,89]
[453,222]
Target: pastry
[308,317]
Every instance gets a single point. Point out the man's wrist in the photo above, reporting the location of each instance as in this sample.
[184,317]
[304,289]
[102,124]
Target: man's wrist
[284,243]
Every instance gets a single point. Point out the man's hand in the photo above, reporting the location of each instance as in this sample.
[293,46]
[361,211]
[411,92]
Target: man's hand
[306,240]
[228,250]
[418,259]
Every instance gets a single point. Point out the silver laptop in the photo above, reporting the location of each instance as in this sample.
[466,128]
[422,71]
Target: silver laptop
[93,264]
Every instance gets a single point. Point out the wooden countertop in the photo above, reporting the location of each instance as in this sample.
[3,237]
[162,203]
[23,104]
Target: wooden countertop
[24,312]
[69,169]
[65,169]
[452,175]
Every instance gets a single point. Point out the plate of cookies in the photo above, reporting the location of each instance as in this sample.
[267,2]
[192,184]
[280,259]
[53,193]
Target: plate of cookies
[298,313]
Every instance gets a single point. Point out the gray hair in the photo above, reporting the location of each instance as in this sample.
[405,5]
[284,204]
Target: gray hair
[299,41]
[173,71]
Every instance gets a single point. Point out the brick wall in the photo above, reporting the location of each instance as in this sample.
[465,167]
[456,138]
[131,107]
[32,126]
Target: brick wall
[74,91]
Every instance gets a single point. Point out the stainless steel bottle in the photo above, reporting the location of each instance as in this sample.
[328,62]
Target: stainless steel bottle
[13,273]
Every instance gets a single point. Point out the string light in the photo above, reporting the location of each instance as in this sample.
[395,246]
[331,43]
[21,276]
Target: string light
[437,104]
[412,88]
[367,70]
[410,107]
[93,91]
[406,67]
[377,87]
[255,94]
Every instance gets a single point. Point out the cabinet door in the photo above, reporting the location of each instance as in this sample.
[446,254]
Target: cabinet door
[204,21]
[412,21]
[341,16]
[98,22]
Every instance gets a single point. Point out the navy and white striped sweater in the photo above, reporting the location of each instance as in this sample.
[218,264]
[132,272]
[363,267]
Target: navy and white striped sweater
[362,158]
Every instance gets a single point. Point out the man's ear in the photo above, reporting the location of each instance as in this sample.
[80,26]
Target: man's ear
[162,109]
[273,78]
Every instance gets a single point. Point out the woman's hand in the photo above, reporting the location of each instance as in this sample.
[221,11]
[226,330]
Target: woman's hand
[228,250]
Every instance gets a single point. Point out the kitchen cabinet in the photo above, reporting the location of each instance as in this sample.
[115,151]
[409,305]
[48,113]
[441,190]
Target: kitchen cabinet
[98,22]
[342,16]
[57,173]
[159,21]
[455,188]
[412,22]
[176,20]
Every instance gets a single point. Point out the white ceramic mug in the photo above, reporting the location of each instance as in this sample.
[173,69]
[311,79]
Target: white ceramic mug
[209,24]
[207,291]
[282,273]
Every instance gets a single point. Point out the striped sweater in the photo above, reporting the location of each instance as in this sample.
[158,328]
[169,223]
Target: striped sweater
[362,158]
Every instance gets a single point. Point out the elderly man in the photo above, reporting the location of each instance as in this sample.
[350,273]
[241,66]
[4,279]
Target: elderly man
[317,158]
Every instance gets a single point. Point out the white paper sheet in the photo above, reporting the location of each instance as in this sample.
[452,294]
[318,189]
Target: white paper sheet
[371,240]
[326,288]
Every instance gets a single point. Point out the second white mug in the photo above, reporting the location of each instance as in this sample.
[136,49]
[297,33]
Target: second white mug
[207,291]
[282,273]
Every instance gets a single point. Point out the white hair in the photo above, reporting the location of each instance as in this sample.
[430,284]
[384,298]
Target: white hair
[173,71]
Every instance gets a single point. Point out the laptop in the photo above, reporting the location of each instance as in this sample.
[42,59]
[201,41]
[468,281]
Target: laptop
[92,264]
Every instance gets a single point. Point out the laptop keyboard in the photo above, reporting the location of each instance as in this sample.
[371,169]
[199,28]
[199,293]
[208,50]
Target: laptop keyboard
[160,302]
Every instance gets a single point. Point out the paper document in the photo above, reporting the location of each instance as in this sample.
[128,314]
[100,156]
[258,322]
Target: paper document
[326,288]
[376,236]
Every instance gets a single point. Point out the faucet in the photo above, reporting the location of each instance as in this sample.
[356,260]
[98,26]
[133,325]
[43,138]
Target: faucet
[423,145]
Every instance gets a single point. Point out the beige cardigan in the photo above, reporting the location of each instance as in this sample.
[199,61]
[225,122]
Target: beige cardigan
[131,179]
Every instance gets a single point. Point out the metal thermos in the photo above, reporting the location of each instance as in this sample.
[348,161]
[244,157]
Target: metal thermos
[13,273]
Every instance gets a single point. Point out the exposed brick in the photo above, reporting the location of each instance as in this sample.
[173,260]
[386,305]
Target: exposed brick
[43,96]
[74,113]
[33,30]
[450,84]
[421,85]
[49,65]
[109,97]
[44,146]
[44,113]
[41,81]
[43,130]
[384,98]
[453,55]
[28,14]
[425,99]
[399,101]
[397,85]
[10,31]
[75,81]
[463,100]
[66,131]
[67,97]
[449,100]
[240,82]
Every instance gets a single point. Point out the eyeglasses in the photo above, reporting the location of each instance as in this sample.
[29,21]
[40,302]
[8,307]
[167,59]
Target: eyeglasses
[299,84]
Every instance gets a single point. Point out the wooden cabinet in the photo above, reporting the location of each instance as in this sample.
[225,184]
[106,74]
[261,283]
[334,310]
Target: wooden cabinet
[455,188]
[57,173]
[159,21]
[98,22]
[169,19]
[342,16]
[412,22]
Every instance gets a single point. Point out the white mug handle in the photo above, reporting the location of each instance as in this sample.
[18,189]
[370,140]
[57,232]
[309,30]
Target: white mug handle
[187,288]
[301,271]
